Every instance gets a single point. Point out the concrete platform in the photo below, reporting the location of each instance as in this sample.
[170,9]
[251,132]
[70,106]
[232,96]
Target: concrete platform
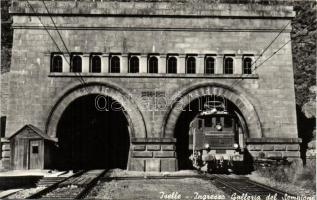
[36,172]
[6,193]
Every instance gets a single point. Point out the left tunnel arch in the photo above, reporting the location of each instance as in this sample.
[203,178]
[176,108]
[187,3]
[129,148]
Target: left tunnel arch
[137,123]
[131,112]
[92,138]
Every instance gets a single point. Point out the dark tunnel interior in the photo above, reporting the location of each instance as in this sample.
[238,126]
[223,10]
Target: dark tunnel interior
[91,138]
[182,128]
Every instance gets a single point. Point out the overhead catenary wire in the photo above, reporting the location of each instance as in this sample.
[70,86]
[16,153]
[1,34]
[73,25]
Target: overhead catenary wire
[243,75]
[52,38]
[269,57]
[270,44]
[262,53]
[55,27]
[61,38]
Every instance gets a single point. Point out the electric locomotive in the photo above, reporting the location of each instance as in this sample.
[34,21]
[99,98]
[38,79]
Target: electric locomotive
[216,138]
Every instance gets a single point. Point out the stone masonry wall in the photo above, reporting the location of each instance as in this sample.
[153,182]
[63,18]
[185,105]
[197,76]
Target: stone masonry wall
[33,89]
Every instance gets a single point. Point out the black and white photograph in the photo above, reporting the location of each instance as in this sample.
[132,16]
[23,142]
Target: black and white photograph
[158,99]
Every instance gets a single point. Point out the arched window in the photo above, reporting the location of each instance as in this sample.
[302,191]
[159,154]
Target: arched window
[210,65]
[172,65]
[228,66]
[134,65]
[95,64]
[115,64]
[191,65]
[76,64]
[247,66]
[57,64]
[153,65]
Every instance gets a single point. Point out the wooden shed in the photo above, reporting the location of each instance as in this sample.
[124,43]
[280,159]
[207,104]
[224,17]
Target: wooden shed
[31,148]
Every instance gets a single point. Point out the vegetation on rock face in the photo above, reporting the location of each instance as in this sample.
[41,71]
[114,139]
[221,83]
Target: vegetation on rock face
[304,37]
[294,178]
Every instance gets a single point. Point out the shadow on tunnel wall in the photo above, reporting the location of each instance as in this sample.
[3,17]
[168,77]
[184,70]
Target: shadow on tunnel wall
[89,138]
[305,127]
[247,166]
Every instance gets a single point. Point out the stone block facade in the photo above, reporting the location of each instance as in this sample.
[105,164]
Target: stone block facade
[153,155]
[266,97]
[5,154]
[274,148]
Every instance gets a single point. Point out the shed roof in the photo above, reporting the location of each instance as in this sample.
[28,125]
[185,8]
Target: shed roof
[35,130]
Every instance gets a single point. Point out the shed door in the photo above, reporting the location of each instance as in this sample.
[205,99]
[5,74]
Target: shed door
[35,160]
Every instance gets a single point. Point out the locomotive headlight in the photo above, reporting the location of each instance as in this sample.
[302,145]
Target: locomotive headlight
[218,127]
[235,145]
[207,146]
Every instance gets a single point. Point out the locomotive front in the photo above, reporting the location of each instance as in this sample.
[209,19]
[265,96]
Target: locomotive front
[216,138]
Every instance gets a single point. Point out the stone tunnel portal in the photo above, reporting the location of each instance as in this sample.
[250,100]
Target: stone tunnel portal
[92,136]
[183,123]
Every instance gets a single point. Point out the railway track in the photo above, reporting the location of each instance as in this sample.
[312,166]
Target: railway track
[243,186]
[74,187]
[151,177]
[80,184]
[239,185]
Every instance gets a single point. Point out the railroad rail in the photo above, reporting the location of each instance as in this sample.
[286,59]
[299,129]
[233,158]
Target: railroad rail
[74,187]
[118,178]
[244,186]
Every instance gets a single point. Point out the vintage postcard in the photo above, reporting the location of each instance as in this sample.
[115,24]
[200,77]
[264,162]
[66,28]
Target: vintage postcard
[158,99]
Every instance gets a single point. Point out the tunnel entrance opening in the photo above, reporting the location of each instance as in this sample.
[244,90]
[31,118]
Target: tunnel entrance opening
[182,127]
[93,136]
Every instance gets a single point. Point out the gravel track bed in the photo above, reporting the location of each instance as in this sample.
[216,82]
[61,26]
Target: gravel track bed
[287,187]
[188,188]
[64,192]
[25,193]
[125,173]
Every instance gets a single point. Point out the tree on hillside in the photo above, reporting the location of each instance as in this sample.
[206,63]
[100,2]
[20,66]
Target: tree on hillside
[304,37]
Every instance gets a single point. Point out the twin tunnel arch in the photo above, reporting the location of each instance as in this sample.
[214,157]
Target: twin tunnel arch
[87,140]
[87,131]
[94,125]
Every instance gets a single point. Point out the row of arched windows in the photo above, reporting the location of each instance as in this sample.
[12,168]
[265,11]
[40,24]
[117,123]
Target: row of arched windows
[134,64]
